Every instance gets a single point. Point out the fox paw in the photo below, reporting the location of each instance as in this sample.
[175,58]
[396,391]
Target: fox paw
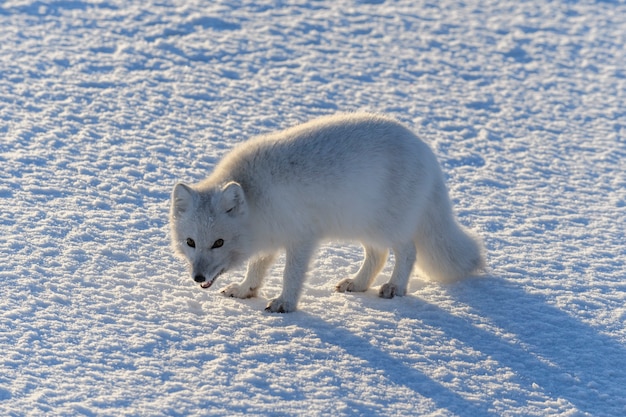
[348,285]
[389,290]
[239,291]
[278,305]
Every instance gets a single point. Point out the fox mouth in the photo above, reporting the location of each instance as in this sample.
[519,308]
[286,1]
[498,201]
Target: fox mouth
[207,284]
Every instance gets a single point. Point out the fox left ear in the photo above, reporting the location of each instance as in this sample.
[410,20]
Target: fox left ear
[233,199]
[182,198]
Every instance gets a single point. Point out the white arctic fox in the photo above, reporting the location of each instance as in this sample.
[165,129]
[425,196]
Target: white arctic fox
[362,177]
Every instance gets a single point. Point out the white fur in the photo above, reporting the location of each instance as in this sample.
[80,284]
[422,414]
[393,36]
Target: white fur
[362,177]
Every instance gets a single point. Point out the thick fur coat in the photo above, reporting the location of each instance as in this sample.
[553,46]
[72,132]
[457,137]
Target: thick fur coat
[358,177]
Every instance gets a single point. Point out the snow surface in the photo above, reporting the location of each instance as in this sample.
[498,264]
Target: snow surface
[106,104]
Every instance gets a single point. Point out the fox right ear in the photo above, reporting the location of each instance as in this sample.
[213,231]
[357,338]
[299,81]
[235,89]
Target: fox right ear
[233,199]
[182,197]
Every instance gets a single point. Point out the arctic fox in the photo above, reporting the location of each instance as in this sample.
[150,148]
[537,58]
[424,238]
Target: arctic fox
[357,176]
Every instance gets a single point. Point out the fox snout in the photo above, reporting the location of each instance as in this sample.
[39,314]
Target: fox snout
[201,279]
[198,274]
[198,270]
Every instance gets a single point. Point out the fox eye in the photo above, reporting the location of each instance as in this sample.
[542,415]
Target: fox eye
[191,243]
[218,244]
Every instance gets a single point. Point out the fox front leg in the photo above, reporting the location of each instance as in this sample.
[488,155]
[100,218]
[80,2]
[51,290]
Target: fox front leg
[249,287]
[296,265]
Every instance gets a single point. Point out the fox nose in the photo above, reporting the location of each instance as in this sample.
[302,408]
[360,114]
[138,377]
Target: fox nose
[199,278]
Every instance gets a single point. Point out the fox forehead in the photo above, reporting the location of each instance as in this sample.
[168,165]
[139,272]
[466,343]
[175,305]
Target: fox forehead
[195,222]
[200,222]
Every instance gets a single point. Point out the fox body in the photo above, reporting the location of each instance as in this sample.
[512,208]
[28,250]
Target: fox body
[359,177]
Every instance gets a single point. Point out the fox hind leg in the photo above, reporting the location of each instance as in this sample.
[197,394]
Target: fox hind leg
[405,255]
[374,261]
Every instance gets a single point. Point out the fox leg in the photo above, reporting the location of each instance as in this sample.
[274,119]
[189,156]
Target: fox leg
[296,265]
[249,287]
[405,258]
[374,261]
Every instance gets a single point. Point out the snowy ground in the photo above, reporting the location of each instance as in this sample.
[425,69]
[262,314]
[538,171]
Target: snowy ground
[104,105]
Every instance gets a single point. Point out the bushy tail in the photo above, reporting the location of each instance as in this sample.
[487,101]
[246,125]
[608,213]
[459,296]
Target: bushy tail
[446,251]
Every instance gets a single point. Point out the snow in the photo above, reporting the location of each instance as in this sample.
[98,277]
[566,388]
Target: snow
[106,104]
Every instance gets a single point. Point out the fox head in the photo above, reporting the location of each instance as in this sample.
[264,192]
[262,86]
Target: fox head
[207,229]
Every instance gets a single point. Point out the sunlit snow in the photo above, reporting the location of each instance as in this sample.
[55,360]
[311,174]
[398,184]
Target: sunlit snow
[106,104]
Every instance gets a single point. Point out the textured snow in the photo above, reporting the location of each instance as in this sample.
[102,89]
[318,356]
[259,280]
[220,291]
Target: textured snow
[105,105]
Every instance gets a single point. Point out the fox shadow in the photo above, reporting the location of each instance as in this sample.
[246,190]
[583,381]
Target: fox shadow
[544,347]
[567,358]
[394,369]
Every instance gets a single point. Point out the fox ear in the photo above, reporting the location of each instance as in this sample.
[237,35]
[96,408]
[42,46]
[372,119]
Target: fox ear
[182,197]
[233,199]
